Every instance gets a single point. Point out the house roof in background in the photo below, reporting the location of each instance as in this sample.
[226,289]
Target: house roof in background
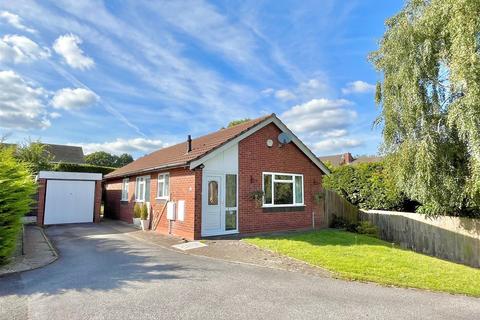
[62,153]
[204,146]
[339,159]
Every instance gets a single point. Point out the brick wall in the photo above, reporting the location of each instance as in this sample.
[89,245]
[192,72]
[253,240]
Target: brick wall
[254,159]
[183,186]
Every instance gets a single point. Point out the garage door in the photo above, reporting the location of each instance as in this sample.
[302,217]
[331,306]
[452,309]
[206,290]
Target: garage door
[69,201]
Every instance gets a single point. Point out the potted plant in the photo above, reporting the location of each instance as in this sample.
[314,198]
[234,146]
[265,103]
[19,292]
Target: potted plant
[144,217]
[257,196]
[137,209]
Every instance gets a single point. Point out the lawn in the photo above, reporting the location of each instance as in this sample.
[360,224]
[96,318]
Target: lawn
[358,257]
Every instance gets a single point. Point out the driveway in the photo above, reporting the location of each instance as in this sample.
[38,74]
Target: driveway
[103,273]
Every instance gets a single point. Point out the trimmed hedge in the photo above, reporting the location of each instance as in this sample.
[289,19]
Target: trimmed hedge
[17,188]
[74,167]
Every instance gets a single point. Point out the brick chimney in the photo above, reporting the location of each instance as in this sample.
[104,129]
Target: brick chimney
[347,158]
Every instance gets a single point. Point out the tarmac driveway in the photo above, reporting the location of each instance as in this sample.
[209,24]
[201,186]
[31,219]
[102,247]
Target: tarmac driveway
[103,273]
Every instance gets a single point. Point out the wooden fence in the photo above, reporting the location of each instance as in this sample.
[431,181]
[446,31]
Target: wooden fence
[335,205]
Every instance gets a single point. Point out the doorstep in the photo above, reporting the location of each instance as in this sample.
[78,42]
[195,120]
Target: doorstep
[37,252]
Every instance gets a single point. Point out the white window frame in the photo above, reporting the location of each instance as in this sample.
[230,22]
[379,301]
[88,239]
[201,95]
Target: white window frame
[293,175]
[166,193]
[125,189]
[137,184]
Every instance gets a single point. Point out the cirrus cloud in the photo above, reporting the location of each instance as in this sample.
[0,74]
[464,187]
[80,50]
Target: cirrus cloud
[68,47]
[70,99]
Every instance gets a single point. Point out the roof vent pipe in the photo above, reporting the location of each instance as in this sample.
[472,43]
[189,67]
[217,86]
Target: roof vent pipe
[189,143]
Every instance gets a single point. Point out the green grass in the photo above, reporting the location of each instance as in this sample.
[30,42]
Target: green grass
[359,257]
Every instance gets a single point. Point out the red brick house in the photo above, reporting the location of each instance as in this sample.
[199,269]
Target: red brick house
[236,180]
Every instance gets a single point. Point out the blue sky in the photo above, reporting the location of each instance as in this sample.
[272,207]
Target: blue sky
[134,76]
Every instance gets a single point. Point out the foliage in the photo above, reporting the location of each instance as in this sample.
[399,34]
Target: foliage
[367,228]
[359,257]
[430,98]
[105,159]
[137,210]
[75,167]
[35,155]
[342,223]
[237,122]
[17,188]
[366,185]
[257,196]
[144,212]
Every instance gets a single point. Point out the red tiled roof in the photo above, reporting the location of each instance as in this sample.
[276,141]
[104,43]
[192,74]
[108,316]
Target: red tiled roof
[177,155]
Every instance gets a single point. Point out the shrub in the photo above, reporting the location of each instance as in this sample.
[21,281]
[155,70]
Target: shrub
[17,188]
[342,223]
[75,167]
[144,212]
[366,185]
[137,210]
[367,228]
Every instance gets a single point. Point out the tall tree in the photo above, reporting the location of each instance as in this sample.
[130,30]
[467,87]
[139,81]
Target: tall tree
[101,158]
[123,160]
[35,155]
[430,102]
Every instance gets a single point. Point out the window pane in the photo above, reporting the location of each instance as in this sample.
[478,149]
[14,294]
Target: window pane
[146,195]
[213,193]
[283,177]
[230,220]
[298,189]
[140,191]
[166,192]
[231,191]
[160,188]
[283,193]
[267,189]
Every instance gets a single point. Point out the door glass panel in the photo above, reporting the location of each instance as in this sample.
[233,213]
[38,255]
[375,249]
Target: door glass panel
[212,193]
[231,219]
[298,189]
[267,189]
[231,191]
[283,193]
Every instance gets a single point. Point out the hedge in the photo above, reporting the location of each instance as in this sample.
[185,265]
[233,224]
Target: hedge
[74,167]
[17,188]
[367,186]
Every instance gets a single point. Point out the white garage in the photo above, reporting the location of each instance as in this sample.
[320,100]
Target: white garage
[68,197]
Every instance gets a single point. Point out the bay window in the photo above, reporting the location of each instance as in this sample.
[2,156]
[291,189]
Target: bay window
[282,189]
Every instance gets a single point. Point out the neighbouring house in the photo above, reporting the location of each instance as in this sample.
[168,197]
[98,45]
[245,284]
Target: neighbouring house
[254,177]
[337,160]
[62,153]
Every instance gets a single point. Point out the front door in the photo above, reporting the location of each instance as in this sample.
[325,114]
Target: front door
[212,221]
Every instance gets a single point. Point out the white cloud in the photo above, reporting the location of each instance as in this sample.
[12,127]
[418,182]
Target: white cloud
[20,49]
[358,87]
[337,145]
[21,103]
[320,116]
[284,95]
[70,99]
[268,91]
[15,21]
[120,146]
[336,133]
[55,115]
[68,47]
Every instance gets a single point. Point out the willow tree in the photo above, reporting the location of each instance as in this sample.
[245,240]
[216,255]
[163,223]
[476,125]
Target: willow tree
[429,97]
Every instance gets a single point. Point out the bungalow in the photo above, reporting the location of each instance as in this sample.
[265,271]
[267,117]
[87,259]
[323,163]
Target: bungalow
[254,177]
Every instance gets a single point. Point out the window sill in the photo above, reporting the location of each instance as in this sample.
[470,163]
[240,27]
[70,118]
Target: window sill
[273,209]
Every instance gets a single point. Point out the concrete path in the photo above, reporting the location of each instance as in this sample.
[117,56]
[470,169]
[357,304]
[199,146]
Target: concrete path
[38,252]
[103,273]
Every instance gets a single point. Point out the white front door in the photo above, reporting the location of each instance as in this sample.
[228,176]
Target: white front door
[212,217]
